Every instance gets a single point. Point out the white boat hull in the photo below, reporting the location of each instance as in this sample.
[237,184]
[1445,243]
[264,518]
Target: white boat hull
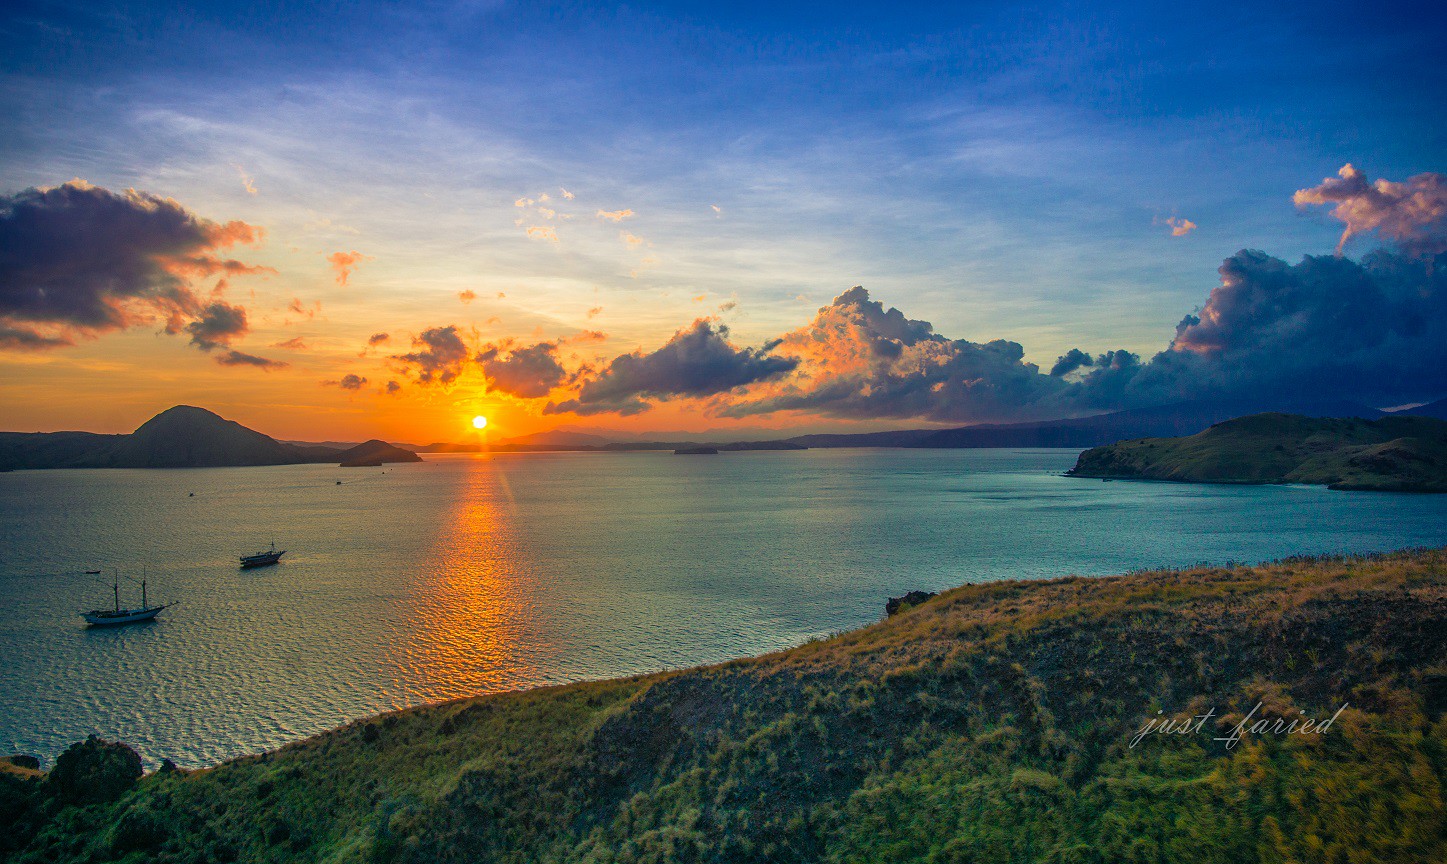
[112,619]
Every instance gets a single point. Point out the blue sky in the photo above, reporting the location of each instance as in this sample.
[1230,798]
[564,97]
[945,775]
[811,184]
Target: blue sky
[1001,171]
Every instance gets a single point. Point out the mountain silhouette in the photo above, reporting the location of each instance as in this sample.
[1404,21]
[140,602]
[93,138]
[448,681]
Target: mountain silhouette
[181,437]
[373,453]
[190,437]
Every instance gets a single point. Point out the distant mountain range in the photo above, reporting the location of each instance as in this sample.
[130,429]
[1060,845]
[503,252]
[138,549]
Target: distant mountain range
[179,437]
[189,437]
[1186,418]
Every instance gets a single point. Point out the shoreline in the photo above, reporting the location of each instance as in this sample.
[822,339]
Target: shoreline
[1028,692]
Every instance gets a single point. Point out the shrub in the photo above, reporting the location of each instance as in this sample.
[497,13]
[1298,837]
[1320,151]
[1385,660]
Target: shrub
[94,771]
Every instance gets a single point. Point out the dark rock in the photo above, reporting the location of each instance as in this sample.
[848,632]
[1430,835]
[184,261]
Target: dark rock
[913,598]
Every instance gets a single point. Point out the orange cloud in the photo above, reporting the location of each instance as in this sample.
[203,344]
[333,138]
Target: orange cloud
[543,232]
[467,296]
[245,180]
[615,215]
[345,263]
[630,239]
[1180,227]
[295,306]
[1413,213]
[293,344]
[595,311]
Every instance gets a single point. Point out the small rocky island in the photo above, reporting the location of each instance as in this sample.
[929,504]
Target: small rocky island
[375,453]
[1399,454]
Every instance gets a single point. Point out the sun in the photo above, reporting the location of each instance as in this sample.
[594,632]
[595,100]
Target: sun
[479,422]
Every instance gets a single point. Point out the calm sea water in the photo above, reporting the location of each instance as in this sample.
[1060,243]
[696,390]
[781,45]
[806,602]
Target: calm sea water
[469,574]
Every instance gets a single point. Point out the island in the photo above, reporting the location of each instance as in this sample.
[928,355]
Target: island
[696,450]
[1003,721]
[374,454]
[1393,453]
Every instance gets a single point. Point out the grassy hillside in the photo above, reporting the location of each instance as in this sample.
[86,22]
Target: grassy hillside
[1391,454]
[992,723]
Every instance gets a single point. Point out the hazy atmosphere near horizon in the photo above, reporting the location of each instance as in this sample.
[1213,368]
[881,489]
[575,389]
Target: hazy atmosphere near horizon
[505,365]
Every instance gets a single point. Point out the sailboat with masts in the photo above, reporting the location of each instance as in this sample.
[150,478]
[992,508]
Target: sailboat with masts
[112,617]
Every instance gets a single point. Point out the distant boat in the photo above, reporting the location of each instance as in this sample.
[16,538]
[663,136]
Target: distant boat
[116,616]
[262,559]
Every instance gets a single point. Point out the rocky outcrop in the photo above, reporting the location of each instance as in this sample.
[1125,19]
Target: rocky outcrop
[913,598]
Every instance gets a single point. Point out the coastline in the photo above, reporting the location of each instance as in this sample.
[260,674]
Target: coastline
[1028,687]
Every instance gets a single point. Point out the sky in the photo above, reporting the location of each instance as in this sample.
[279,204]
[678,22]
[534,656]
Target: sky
[337,221]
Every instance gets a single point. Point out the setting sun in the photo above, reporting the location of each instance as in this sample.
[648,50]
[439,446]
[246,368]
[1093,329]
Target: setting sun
[479,422]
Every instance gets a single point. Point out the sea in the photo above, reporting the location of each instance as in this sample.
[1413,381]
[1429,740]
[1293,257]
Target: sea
[470,574]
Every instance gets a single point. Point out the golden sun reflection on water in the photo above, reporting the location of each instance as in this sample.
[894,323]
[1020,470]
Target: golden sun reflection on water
[470,634]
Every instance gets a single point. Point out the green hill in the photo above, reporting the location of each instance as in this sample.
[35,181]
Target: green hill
[992,723]
[1395,453]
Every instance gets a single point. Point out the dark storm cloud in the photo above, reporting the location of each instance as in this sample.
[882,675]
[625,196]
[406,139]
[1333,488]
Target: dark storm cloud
[698,361]
[528,372]
[440,355]
[77,261]
[1326,327]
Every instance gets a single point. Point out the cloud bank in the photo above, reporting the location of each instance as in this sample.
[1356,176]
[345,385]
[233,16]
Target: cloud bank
[1270,333]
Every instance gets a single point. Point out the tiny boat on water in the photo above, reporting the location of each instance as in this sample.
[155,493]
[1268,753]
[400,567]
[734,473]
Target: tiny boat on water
[113,617]
[262,559]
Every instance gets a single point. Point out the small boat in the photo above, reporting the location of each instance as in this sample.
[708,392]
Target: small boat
[113,617]
[262,559]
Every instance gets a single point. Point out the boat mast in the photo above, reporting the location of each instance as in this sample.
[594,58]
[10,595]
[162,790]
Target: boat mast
[117,588]
[144,604]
